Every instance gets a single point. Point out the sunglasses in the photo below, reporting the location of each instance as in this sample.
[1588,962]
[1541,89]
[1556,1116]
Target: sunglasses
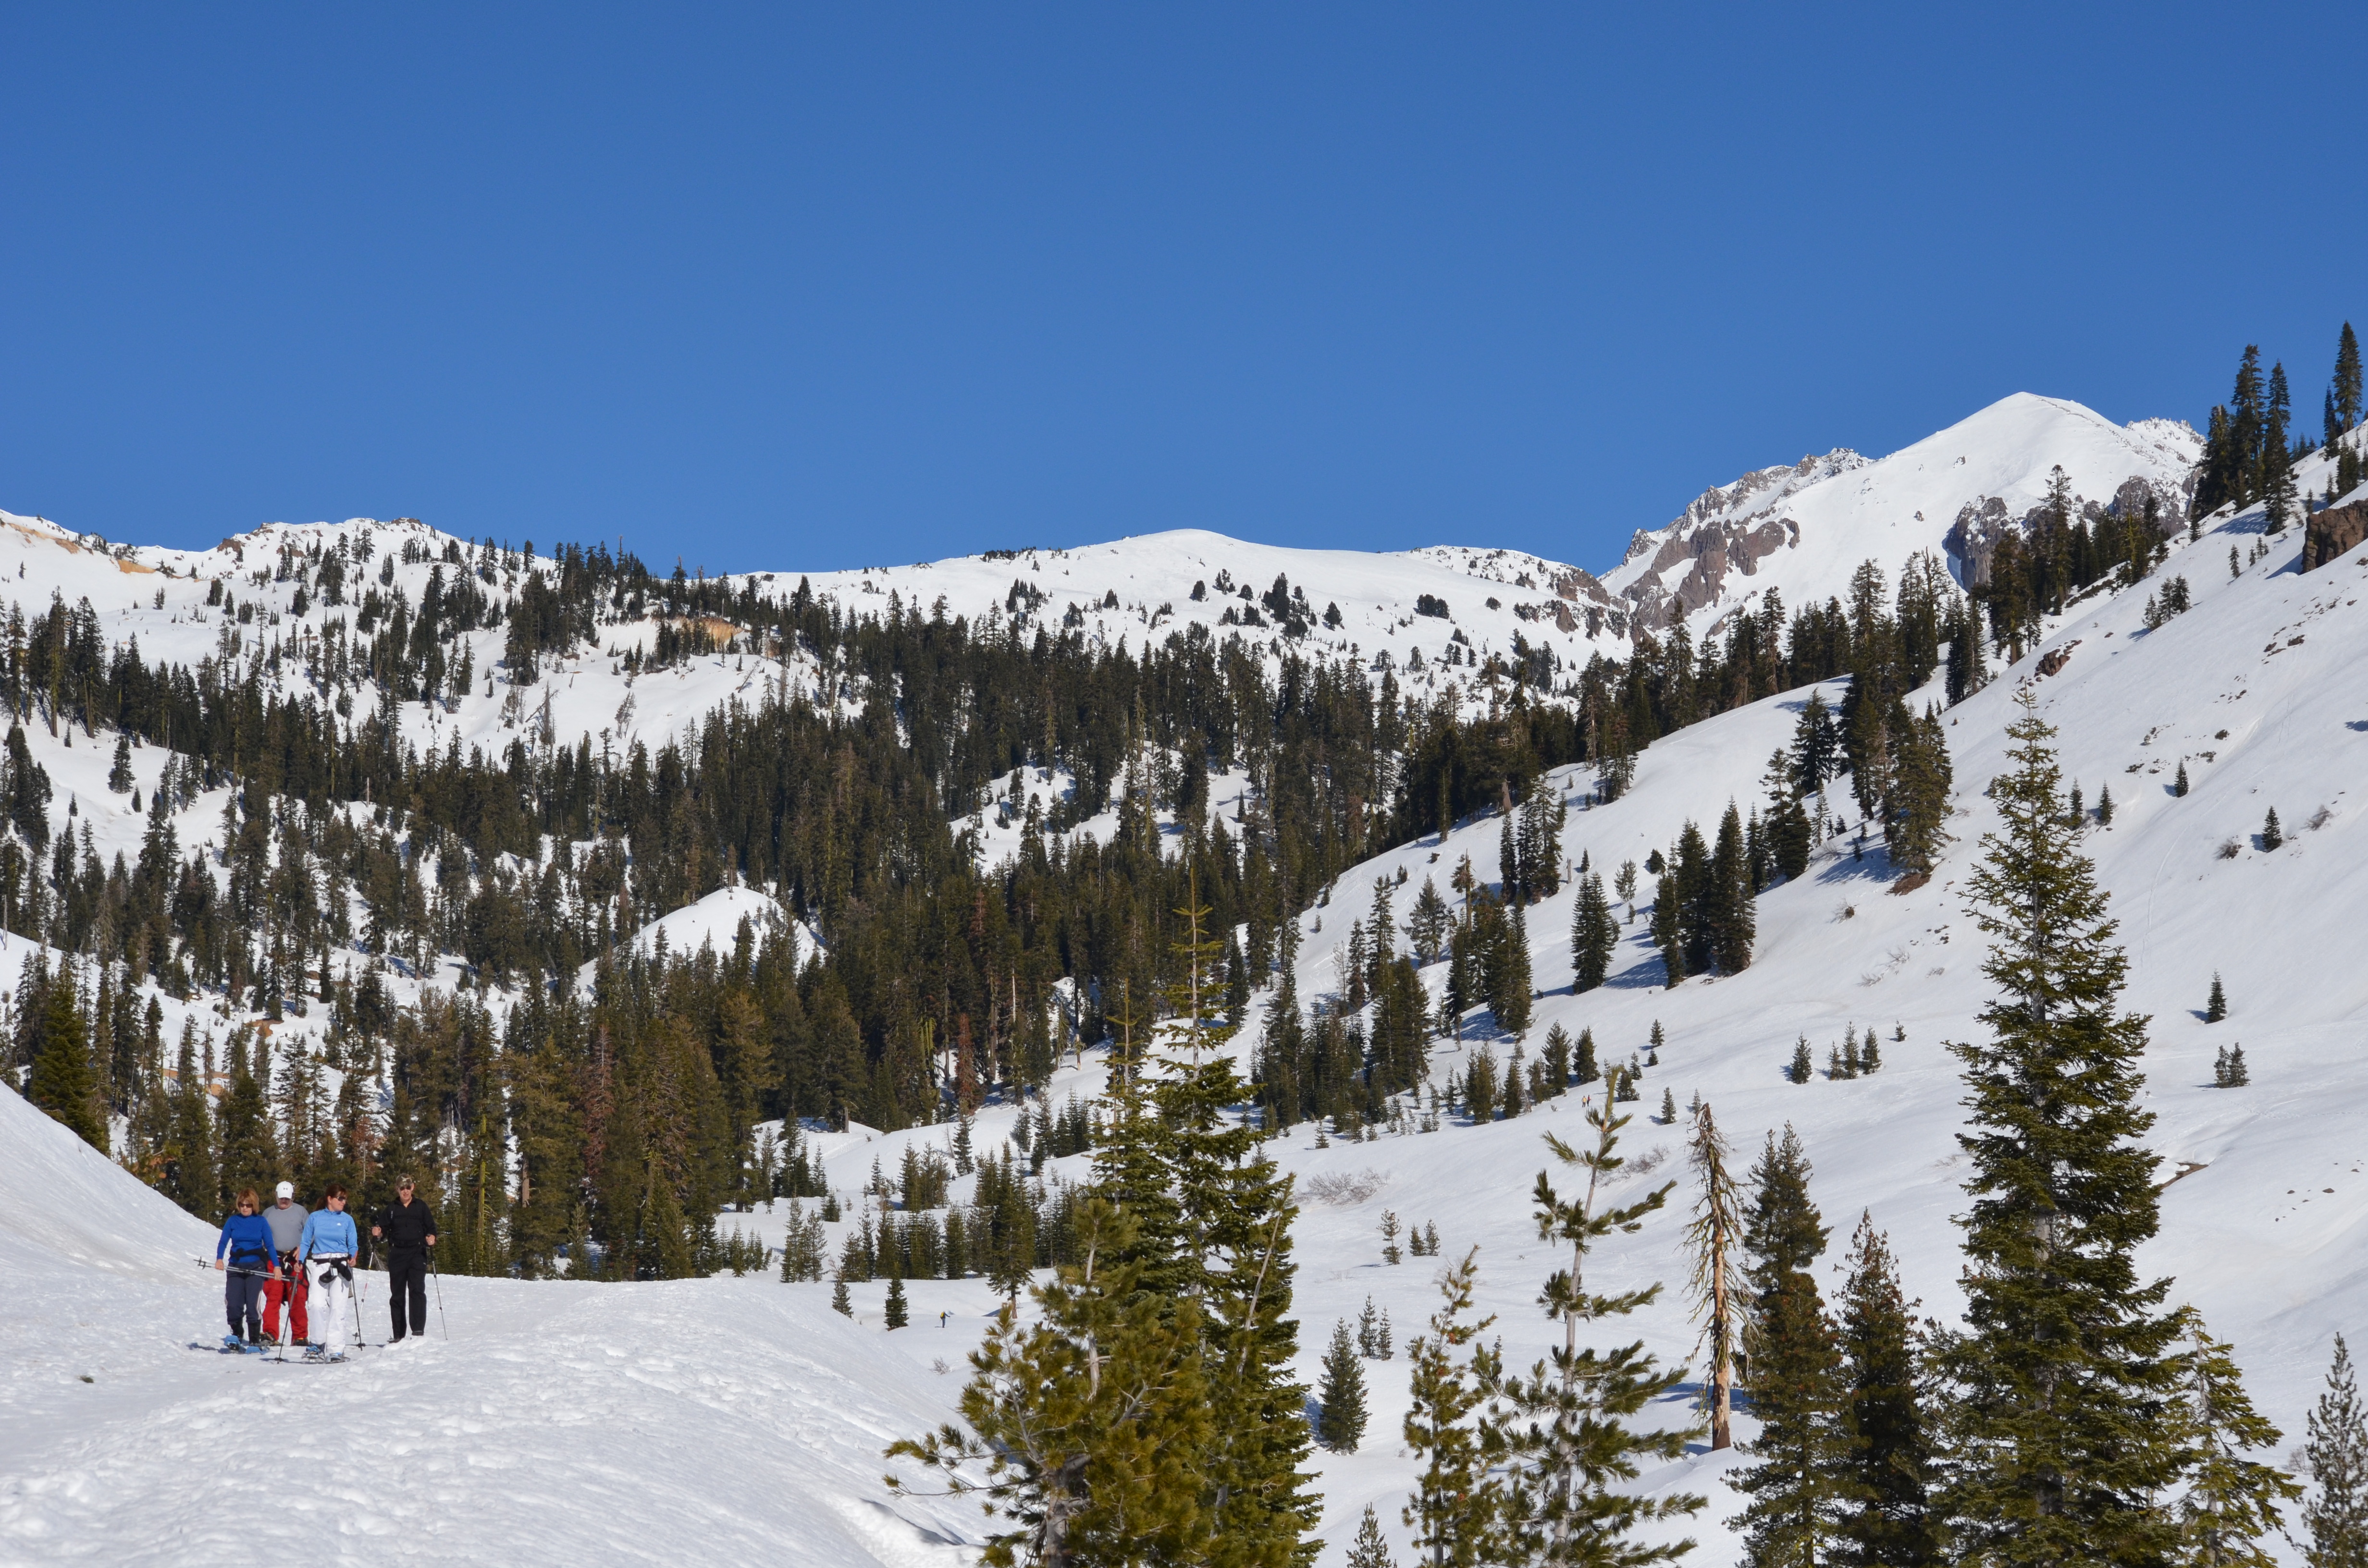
[247,1206]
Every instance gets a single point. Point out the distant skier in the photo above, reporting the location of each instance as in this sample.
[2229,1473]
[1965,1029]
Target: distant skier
[408,1227]
[247,1242]
[326,1251]
[286,1217]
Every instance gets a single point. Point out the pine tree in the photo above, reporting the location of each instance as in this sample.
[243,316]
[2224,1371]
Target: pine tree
[249,1152]
[1797,1479]
[1089,1419]
[1341,1394]
[2335,1452]
[2344,410]
[1669,933]
[2277,486]
[62,1082]
[1234,1216]
[896,1315]
[1457,1507]
[2247,420]
[1817,745]
[1555,1061]
[119,777]
[1565,1428]
[1480,1086]
[2059,1379]
[2232,1502]
[1594,934]
[2179,780]
[1426,927]
[1369,1549]
[1583,1069]
[2215,1006]
[1731,919]
[839,1302]
[1886,1516]
[1712,1237]
[1802,1069]
[1916,812]
[2272,835]
[2346,391]
[1510,984]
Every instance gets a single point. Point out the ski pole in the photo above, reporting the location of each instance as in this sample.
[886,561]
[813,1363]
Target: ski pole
[258,1273]
[440,1295]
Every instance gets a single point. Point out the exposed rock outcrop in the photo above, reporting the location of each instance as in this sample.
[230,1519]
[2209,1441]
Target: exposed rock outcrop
[2337,531]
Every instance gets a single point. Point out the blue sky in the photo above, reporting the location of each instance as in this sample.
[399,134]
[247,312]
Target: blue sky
[831,287]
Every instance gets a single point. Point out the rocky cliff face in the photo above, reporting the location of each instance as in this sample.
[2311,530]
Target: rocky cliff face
[1974,537]
[2337,531]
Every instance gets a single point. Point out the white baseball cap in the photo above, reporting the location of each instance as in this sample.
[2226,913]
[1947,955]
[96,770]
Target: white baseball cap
[286,1189]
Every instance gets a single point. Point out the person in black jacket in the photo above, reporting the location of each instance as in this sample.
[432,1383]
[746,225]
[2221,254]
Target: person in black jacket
[408,1228]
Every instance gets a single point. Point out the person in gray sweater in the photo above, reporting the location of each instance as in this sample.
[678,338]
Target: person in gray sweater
[286,1219]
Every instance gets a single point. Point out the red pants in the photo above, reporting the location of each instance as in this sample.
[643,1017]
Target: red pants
[275,1291]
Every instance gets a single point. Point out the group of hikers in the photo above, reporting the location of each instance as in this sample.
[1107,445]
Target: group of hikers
[283,1259]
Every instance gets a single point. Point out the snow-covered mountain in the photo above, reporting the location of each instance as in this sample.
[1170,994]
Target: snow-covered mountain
[1801,530]
[744,1415]
[1429,616]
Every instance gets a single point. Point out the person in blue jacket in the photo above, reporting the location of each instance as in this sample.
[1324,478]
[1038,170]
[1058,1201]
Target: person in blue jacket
[243,1255]
[326,1252]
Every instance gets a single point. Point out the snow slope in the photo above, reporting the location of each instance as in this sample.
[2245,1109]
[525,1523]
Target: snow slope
[732,1420]
[2262,1227]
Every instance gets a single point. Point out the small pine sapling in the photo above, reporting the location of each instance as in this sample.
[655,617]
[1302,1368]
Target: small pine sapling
[1369,1549]
[838,1300]
[1341,1418]
[1849,1052]
[2104,805]
[1430,1238]
[1390,1253]
[1587,1072]
[2178,780]
[1869,1055]
[1802,1069]
[1368,1330]
[1565,1426]
[2271,833]
[1668,1107]
[1456,1509]
[2215,1006]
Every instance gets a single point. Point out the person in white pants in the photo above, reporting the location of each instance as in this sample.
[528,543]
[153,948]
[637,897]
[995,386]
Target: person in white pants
[326,1251]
